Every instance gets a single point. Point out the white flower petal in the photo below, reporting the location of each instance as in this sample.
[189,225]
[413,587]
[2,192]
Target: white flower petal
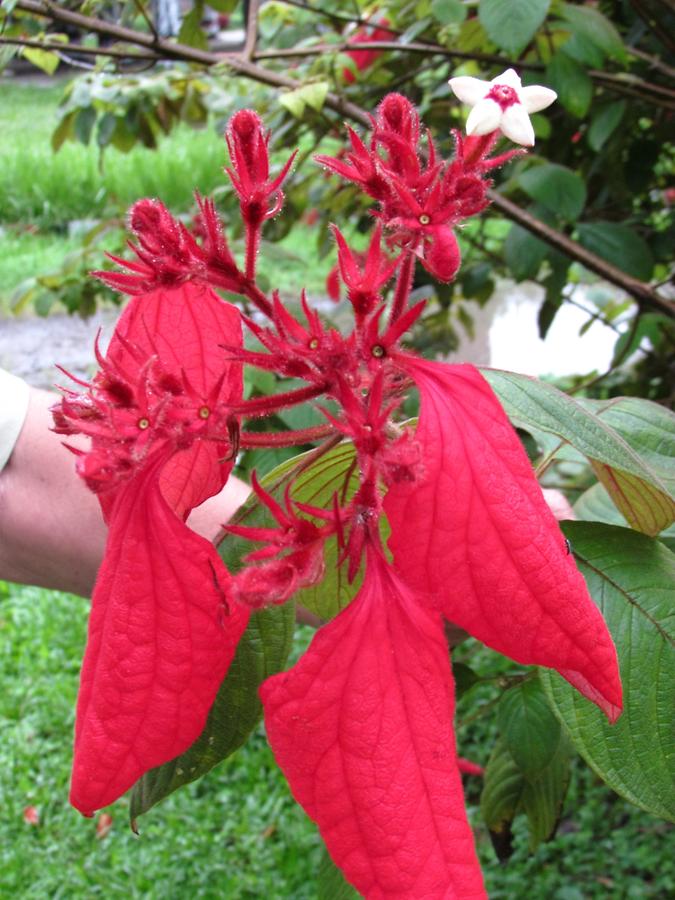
[536,97]
[516,125]
[469,90]
[483,118]
[510,78]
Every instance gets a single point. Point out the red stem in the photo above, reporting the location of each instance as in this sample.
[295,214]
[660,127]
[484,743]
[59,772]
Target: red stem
[403,286]
[252,243]
[258,299]
[250,439]
[265,406]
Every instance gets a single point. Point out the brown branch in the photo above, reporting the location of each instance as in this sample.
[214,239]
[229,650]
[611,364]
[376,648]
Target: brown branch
[644,293]
[251,29]
[619,83]
[148,20]
[78,48]
[412,47]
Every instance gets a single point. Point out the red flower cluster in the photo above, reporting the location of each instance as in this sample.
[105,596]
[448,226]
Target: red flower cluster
[362,725]
[420,200]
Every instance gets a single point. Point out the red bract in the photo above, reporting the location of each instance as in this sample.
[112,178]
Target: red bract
[363,59]
[362,728]
[476,537]
[363,724]
[161,632]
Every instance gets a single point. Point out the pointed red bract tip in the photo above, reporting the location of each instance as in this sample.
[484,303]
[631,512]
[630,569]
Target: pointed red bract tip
[161,638]
[474,535]
[362,728]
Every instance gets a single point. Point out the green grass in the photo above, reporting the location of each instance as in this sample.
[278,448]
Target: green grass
[237,833]
[42,192]
[46,189]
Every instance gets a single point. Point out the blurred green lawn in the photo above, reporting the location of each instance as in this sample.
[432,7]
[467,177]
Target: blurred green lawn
[42,192]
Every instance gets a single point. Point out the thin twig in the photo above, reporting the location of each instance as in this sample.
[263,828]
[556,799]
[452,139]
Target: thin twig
[78,48]
[251,30]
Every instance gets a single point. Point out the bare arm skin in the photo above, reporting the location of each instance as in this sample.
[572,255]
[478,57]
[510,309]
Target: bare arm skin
[52,532]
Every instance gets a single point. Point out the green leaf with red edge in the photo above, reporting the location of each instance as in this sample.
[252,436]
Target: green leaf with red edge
[650,430]
[314,481]
[262,652]
[595,505]
[624,445]
[631,578]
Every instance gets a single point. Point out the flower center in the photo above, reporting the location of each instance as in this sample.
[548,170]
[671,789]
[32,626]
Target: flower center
[504,95]
[143,423]
[424,219]
[313,344]
[204,412]
[377,350]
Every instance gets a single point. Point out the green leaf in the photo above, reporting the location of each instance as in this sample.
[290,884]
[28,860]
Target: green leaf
[650,429]
[106,129]
[262,652]
[465,678]
[524,253]
[620,452]
[631,578]
[652,326]
[507,792]
[572,83]
[559,189]
[583,50]
[63,131]
[45,60]
[449,12]
[604,123]
[530,730]
[331,884]
[84,124]
[316,485]
[590,24]
[620,245]
[191,32]
[314,94]
[512,25]
[293,102]
[595,505]
[223,6]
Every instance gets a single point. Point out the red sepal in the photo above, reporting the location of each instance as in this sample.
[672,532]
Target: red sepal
[362,728]
[475,534]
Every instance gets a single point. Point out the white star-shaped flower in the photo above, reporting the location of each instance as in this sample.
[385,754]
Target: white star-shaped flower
[502,103]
